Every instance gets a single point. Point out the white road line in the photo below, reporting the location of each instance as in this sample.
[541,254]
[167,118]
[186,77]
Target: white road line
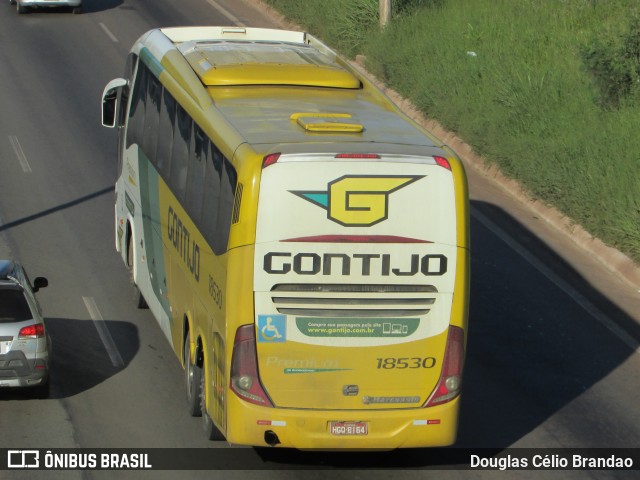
[580,299]
[22,158]
[226,13]
[103,331]
[108,32]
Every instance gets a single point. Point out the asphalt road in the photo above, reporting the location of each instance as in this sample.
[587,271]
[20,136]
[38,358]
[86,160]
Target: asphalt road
[553,340]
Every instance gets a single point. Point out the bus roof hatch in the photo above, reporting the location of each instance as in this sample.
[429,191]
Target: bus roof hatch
[327,122]
[231,62]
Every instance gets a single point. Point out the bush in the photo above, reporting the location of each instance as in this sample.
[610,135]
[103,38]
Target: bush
[614,64]
[360,17]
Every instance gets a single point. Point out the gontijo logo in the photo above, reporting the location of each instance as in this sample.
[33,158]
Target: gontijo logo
[357,200]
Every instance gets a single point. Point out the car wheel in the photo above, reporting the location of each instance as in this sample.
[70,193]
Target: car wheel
[192,377]
[77,10]
[21,9]
[210,430]
[43,390]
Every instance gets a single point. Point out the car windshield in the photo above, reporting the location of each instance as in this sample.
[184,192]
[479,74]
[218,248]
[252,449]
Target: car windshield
[13,306]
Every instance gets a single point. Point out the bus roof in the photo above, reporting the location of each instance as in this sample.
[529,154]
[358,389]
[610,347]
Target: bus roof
[286,91]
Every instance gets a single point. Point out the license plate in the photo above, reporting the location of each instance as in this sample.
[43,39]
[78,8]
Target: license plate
[4,347]
[348,428]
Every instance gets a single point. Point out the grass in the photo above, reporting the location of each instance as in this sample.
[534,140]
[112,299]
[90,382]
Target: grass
[511,79]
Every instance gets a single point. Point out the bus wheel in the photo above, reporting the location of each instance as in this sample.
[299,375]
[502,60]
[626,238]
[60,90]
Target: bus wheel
[210,430]
[192,376]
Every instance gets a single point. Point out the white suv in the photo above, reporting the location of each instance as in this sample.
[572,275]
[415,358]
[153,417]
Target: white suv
[22,5]
[25,347]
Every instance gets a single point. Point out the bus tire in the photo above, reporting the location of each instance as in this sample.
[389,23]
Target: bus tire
[192,377]
[210,430]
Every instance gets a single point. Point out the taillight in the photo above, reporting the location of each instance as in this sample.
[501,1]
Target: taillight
[451,377]
[270,159]
[443,162]
[32,331]
[245,381]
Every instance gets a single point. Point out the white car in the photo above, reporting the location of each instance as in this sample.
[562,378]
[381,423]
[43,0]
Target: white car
[25,347]
[23,5]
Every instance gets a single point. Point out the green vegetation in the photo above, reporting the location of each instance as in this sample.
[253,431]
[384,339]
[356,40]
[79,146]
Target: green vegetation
[547,90]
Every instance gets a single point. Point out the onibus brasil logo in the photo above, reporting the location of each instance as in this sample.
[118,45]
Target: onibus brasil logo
[356,200]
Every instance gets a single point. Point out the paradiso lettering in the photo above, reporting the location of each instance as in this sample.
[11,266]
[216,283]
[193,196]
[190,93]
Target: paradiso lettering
[365,264]
[181,239]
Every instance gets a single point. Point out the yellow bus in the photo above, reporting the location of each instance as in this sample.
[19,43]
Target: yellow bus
[303,245]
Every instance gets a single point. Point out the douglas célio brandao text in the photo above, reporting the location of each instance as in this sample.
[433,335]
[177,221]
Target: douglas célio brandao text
[551,461]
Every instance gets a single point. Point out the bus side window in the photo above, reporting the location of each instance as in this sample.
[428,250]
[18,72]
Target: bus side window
[227,193]
[151,117]
[166,127]
[136,114]
[211,200]
[195,175]
[180,153]
[132,62]
[129,70]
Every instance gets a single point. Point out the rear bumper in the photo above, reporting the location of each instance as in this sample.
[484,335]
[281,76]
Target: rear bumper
[309,429]
[16,370]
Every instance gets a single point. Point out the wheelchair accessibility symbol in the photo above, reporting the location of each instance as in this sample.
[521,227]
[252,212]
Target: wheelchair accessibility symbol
[272,328]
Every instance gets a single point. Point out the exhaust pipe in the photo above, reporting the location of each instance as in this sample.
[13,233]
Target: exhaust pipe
[271,438]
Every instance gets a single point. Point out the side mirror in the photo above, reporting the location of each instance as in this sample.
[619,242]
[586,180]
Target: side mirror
[110,101]
[40,282]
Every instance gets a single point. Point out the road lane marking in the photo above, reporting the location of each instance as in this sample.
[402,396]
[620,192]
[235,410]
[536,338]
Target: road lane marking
[103,331]
[226,13]
[580,299]
[22,158]
[108,32]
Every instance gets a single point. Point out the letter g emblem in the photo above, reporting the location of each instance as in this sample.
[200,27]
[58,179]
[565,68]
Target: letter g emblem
[358,201]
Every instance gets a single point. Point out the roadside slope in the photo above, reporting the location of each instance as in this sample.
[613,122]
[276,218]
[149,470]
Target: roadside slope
[619,264]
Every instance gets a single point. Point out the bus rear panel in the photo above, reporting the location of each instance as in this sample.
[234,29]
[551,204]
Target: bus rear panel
[354,273]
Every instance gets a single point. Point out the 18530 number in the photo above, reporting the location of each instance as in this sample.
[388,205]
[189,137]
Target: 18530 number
[401,363]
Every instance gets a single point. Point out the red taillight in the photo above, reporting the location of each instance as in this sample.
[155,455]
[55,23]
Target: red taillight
[451,377]
[270,159]
[443,162]
[361,156]
[245,381]
[32,331]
